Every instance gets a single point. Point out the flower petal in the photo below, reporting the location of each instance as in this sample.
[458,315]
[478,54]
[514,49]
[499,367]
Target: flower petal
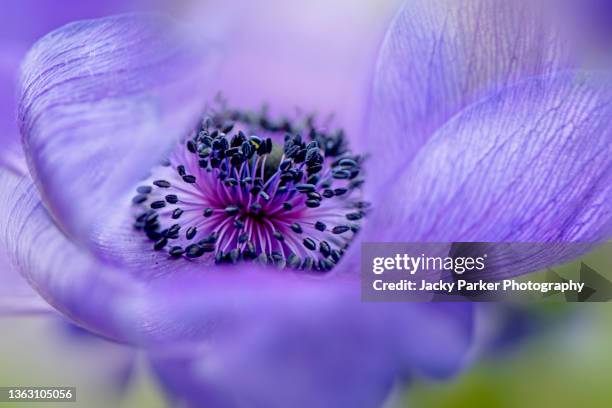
[23,22]
[435,339]
[11,154]
[345,357]
[320,362]
[530,164]
[16,297]
[9,61]
[589,22]
[101,101]
[60,272]
[440,56]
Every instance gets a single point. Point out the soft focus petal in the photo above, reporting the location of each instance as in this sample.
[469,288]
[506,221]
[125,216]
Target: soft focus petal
[589,22]
[440,56]
[16,296]
[429,338]
[9,61]
[322,361]
[101,101]
[434,338]
[11,154]
[345,357]
[531,164]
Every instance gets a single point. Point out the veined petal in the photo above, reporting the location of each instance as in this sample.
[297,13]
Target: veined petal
[440,56]
[16,296]
[23,22]
[51,264]
[530,164]
[100,102]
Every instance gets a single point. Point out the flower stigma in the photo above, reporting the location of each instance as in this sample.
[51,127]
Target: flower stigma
[245,187]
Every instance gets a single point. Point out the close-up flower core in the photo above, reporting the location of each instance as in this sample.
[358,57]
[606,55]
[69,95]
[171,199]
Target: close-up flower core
[244,186]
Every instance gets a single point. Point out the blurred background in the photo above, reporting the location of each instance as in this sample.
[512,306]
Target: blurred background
[554,355]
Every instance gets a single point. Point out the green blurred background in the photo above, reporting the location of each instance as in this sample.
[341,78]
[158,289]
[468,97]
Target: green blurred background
[567,364]
[568,367]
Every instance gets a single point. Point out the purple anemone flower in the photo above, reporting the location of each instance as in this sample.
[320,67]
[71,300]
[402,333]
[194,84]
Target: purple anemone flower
[224,236]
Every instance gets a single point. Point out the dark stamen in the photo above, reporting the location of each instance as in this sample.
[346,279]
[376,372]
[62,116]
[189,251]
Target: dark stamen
[310,244]
[246,184]
[162,183]
[340,229]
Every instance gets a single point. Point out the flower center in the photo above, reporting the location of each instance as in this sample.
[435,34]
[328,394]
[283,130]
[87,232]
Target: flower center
[244,187]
